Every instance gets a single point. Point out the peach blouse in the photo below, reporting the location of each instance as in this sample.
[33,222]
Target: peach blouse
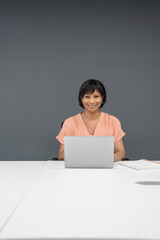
[107,125]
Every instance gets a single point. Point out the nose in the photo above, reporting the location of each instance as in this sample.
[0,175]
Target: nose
[91,100]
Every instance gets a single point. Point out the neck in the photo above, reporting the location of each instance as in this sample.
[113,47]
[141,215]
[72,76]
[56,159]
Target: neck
[91,115]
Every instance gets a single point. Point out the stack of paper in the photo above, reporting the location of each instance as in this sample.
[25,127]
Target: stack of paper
[142,164]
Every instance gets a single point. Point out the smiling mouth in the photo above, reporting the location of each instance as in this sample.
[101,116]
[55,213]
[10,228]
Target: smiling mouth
[91,105]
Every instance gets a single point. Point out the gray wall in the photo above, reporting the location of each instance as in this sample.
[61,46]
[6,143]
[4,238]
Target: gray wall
[48,48]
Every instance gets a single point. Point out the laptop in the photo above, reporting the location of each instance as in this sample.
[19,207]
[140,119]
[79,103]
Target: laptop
[89,151]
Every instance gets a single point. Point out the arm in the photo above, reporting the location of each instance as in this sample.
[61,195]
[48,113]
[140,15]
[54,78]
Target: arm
[119,150]
[61,152]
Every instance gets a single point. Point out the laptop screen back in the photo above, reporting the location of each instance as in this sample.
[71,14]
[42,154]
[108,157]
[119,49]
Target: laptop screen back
[89,151]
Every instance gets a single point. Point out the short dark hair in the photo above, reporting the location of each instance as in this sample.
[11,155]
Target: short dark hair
[90,86]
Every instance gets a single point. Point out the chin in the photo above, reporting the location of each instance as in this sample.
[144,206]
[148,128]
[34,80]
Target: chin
[92,109]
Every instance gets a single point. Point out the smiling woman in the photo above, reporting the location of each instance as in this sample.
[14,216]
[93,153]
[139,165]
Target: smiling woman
[92,97]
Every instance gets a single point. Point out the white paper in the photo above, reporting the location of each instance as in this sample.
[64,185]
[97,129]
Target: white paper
[141,164]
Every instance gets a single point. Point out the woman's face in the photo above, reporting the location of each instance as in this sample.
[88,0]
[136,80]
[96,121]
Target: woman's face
[92,102]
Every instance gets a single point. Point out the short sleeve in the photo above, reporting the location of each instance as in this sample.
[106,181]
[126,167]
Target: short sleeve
[63,132]
[118,132]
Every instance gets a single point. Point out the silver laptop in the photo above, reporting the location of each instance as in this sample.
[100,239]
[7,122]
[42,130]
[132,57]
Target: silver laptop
[89,151]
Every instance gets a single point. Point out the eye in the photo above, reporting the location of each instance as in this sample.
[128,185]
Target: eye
[86,97]
[96,96]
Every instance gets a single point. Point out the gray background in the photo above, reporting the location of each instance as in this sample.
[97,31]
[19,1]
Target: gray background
[49,48]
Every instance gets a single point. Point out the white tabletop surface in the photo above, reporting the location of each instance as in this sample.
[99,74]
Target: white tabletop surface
[15,178]
[118,203]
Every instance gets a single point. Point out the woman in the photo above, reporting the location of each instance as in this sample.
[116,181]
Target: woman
[92,97]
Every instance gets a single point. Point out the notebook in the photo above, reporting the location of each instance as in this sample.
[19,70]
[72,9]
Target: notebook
[89,151]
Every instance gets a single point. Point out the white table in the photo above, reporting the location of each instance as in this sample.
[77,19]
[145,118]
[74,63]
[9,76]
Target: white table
[16,177]
[88,204]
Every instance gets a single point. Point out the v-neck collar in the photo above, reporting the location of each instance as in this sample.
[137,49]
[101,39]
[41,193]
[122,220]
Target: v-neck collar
[85,127]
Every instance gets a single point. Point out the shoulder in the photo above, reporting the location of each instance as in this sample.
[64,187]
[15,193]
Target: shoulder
[111,119]
[71,120]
